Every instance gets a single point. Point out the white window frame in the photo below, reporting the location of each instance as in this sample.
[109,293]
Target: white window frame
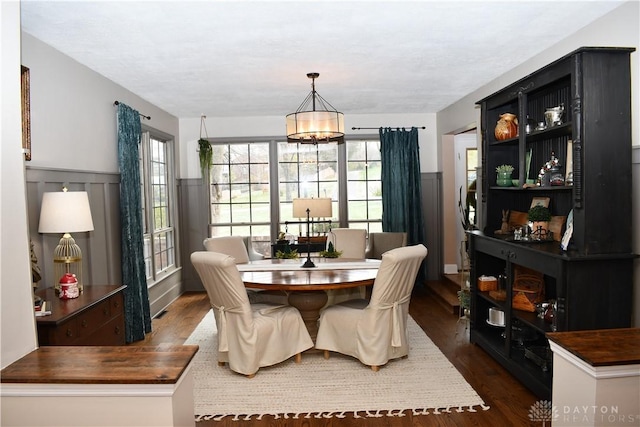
[152,237]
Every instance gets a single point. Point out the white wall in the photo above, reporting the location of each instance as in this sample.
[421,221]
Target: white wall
[73,118]
[17,323]
[274,126]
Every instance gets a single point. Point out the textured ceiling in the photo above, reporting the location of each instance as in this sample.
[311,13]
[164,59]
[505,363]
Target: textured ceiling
[250,58]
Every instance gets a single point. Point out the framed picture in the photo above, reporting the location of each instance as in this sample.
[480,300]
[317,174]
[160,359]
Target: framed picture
[26,112]
[540,201]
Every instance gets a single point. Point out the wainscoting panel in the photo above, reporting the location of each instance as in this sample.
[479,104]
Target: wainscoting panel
[432,211]
[194,226]
[101,249]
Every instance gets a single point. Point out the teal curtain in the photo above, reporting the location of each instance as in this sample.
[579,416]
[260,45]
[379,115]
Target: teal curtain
[136,296]
[401,189]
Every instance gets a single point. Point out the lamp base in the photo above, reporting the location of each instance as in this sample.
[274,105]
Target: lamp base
[308,264]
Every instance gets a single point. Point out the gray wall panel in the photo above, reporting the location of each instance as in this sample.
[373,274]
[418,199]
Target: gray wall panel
[432,211]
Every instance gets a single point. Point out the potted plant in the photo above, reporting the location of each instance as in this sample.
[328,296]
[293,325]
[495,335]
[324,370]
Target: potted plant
[539,217]
[330,252]
[287,253]
[205,151]
[504,175]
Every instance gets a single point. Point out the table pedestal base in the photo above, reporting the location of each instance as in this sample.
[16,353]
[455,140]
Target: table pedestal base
[309,304]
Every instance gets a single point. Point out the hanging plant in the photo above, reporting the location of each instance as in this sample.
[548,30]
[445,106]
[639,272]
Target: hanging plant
[206,156]
[205,150]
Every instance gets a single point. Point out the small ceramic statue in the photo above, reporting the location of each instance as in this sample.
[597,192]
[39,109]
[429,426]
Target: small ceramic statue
[504,228]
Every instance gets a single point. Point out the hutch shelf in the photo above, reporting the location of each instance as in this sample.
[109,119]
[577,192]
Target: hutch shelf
[591,280]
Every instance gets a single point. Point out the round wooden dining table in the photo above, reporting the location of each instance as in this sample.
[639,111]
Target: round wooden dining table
[306,287]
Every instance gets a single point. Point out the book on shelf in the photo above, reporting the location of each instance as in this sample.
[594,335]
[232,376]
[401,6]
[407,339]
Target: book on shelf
[43,308]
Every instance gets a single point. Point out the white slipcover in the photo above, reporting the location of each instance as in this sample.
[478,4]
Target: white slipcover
[237,247]
[379,243]
[250,336]
[230,245]
[375,331]
[352,242]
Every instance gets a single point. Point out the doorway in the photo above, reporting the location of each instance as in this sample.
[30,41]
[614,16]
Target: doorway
[466,169]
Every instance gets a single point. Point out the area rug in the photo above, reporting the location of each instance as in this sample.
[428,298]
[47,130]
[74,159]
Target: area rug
[425,383]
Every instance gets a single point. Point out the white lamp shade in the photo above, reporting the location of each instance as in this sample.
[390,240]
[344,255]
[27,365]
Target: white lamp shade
[65,212]
[318,208]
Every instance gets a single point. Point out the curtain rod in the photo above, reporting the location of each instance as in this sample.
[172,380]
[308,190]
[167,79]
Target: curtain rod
[397,127]
[143,116]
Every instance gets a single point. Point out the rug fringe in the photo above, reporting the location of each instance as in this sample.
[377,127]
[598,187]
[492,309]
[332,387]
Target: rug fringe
[367,414]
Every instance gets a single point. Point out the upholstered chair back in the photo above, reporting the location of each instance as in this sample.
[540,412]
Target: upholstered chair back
[381,242]
[351,241]
[230,245]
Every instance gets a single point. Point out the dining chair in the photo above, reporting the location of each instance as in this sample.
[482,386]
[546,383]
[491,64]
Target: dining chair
[238,248]
[250,336]
[352,243]
[375,331]
[381,242]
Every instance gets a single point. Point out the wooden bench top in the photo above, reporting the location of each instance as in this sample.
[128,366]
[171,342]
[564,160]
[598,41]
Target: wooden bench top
[163,364]
[603,347]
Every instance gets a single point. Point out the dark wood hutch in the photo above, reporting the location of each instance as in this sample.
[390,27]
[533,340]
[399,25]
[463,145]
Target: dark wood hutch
[592,280]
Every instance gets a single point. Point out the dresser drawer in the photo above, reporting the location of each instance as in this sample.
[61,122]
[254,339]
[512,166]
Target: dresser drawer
[92,319]
[111,333]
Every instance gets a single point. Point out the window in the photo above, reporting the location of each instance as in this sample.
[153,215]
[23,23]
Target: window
[156,166]
[240,192]
[364,185]
[253,185]
[306,170]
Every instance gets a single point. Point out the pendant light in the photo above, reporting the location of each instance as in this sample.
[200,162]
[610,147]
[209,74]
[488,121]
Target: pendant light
[320,124]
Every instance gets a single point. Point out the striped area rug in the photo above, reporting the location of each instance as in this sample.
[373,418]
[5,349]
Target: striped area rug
[425,383]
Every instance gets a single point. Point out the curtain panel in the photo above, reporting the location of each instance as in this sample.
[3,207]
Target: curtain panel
[136,296]
[401,188]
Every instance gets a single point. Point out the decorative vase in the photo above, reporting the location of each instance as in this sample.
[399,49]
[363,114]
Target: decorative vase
[503,179]
[507,127]
[540,230]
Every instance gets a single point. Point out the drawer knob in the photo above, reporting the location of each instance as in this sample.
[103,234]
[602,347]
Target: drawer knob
[117,330]
[69,332]
[84,323]
[105,311]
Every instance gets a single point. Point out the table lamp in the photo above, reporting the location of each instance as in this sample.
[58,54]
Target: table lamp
[66,212]
[311,208]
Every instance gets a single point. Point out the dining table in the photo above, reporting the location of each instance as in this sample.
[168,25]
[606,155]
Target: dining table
[307,287]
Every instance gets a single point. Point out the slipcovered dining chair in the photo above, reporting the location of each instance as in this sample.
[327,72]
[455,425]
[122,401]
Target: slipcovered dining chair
[352,242]
[381,242]
[375,331]
[250,336]
[238,248]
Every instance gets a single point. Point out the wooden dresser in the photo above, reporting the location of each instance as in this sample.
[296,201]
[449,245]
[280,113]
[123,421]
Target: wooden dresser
[94,318]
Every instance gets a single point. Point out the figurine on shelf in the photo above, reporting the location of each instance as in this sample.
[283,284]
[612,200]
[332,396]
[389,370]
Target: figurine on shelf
[550,173]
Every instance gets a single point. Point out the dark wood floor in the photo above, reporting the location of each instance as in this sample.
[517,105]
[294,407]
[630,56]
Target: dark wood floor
[509,400]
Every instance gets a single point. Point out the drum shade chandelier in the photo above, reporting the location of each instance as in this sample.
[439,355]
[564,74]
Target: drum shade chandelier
[321,124]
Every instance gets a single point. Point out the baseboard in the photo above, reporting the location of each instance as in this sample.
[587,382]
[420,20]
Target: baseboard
[450,269]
